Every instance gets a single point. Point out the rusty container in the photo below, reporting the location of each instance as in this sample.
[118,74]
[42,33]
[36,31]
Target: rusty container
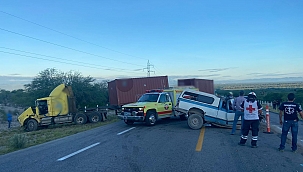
[204,85]
[129,90]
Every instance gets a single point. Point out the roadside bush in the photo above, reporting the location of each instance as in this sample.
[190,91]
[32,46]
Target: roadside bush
[18,141]
[2,116]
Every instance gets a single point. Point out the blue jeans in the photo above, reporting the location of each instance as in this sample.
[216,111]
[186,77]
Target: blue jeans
[9,124]
[237,115]
[294,132]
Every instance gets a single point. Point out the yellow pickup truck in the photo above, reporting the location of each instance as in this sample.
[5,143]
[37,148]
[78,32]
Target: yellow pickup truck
[153,105]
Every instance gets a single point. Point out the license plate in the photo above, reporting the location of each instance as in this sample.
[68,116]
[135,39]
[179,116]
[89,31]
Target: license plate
[127,114]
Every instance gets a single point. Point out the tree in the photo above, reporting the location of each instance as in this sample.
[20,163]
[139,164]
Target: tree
[86,92]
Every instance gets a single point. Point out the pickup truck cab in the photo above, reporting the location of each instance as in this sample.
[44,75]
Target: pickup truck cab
[201,107]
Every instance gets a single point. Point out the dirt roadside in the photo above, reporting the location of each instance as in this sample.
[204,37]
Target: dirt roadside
[15,123]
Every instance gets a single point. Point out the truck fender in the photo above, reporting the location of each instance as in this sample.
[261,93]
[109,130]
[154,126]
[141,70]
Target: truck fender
[195,111]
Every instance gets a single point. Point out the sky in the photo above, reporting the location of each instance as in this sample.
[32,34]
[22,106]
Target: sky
[221,40]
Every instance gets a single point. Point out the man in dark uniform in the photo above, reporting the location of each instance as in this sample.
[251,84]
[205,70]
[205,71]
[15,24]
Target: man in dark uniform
[290,109]
[251,108]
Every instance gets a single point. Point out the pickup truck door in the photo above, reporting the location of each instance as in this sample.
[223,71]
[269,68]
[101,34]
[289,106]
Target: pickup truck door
[165,105]
[225,115]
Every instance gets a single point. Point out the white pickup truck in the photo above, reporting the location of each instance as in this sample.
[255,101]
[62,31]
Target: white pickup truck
[201,107]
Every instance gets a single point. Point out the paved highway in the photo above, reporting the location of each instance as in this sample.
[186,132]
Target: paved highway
[168,146]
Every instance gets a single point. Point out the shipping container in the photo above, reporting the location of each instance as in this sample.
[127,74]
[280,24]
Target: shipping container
[129,90]
[204,85]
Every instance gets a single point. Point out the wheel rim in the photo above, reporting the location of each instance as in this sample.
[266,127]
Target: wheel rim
[152,119]
[80,120]
[95,119]
[30,125]
[195,121]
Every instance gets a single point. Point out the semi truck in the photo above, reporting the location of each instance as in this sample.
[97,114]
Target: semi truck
[59,107]
[155,104]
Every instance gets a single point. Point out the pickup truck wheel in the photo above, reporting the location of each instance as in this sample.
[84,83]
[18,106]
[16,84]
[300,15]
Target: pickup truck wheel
[151,118]
[80,119]
[31,125]
[128,122]
[195,121]
[95,117]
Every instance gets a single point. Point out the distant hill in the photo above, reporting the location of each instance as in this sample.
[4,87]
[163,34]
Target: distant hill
[262,80]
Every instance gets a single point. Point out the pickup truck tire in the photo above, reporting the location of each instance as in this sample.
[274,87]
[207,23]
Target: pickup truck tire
[95,117]
[151,118]
[31,125]
[80,119]
[195,121]
[128,122]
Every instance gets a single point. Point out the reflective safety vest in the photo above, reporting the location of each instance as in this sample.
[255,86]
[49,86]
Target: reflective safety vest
[251,110]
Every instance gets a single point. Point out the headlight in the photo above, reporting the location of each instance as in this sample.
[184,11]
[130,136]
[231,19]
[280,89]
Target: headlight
[141,109]
[122,109]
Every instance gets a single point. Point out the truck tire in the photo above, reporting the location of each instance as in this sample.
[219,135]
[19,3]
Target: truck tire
[128,122]
[31,125]
[195,121]
[80,119]
[95,117]
[151,118]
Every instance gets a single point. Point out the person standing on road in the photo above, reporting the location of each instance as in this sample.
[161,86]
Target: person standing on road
[290,109]
[9,119]
[251,108]
[238,112]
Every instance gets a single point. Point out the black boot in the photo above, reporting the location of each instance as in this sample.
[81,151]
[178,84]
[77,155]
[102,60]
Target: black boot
[254,144]
[242,142]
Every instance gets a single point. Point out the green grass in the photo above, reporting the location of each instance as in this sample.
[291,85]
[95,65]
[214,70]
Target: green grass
[16,138]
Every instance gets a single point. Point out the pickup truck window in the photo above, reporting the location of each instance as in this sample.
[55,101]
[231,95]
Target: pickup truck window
[164,98]
[197,97]
[149,98]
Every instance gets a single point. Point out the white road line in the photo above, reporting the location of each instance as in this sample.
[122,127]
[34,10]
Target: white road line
[125,131]
[79,151]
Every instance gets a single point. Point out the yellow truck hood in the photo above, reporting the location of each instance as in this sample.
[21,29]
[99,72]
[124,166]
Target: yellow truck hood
[24,115]
[138,104]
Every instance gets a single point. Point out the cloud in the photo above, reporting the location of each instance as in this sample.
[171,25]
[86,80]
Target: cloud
[217,70]
[14,82]
[15,74]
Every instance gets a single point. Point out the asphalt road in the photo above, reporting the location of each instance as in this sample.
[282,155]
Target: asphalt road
[168,146]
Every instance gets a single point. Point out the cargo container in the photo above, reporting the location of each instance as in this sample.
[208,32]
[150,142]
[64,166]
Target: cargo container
[128,90]
[204,85]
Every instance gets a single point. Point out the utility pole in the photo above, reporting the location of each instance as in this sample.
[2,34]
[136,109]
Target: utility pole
[148,68]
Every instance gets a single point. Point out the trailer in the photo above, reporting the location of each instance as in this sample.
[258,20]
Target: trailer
[129,90]
[204,85]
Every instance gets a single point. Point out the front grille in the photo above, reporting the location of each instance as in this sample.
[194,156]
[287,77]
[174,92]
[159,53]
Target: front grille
[134,111]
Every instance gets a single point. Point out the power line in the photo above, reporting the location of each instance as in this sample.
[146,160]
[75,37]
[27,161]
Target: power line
[63,59]
[66,47]
[60,61]
[69,35]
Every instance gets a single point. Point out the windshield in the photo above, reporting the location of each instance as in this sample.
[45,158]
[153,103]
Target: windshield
[148,98]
